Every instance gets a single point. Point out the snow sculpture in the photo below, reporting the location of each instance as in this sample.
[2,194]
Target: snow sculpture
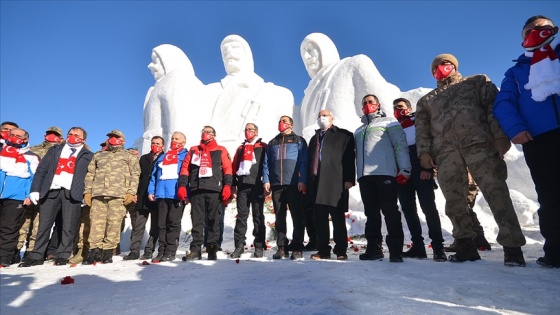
[242,97]
[167,102]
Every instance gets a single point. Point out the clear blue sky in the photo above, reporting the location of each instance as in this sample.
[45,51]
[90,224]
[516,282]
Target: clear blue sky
[84,63]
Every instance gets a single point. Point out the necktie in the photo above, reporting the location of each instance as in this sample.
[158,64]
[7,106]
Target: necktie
[73,151]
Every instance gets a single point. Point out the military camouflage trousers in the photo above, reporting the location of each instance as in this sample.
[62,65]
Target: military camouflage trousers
[106,215]
[490,172]
[29,221]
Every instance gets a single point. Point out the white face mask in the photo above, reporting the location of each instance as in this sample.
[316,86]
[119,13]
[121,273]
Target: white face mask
[323,122]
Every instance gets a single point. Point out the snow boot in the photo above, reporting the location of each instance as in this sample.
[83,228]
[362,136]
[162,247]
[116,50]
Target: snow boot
[93,256]
[513,257]
[240,249]
[259,252]
[548,262]
[194,254]
[416,251]
[108,256]
[466,251]
[282,252]
[77,258]
[373,252]
[212,250]
[296,255]
[132,256]
[158,257]
[481,242]
[147,255]
[167,257]
[439,255]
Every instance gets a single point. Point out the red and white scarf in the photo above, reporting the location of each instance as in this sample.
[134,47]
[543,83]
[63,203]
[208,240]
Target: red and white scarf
[544,75]
[248,159]
[64,172]
[169,165]
[13,162]
[203,159]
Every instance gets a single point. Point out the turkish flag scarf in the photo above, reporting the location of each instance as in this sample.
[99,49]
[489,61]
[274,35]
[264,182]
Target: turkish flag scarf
[544,75]
[169,165]
[13,162]
[248,159]
[202,158]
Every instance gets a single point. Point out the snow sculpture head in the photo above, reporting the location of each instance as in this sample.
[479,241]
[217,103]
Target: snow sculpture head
[168,58]
[237,55]
[318,51]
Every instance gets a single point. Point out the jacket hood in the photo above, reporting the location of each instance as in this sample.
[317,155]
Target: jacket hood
[173,58]
[328,53]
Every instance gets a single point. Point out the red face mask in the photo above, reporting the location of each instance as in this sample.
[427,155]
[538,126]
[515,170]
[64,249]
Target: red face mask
[51,137]
[114,141]
[156,149]
[5,134]
[15,140]
[73,139]
[443,71]
[369,108]
[282,126]
[175,146]
[538,38]
[400,113]
[206,136]
[249,134]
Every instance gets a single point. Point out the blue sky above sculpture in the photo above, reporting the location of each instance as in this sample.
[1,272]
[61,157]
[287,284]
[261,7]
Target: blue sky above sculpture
[85,63]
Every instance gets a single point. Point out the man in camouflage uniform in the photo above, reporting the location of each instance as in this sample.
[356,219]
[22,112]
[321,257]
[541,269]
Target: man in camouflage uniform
[110,185]
[455,126]
[30,220]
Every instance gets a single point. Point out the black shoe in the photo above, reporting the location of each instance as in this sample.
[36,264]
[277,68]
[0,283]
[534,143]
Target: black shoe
[281,253]
[310,247]
[30,262]
[320,256]
[60,261]
[240,249]
[513,257]
[547,262]
[211,250]
[194,254]
[416,251]
[439,255]
[481,243]
[296,255]
[466,251]
[158,257]
[374,252]
[395,258]
[93,256]
[5,262]
[17,257]
[107,256]
[132,256]
[259,252]
[146,256]
[167,257]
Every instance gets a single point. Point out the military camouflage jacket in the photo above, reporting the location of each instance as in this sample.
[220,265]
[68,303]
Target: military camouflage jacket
[41,149]
[112,174]
[457,114]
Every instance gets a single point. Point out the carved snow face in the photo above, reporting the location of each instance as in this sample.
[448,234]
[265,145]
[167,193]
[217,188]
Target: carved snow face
[156,67]
[233,56]
[311,59]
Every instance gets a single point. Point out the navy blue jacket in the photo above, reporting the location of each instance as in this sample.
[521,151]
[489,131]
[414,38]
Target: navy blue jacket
[285,161]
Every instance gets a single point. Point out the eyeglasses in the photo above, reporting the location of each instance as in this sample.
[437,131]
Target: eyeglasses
[369,102]
[207,131]
[250,129]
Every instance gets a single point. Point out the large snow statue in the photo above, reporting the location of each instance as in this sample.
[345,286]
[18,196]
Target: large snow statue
[174,102]
[339,85]
[242,97]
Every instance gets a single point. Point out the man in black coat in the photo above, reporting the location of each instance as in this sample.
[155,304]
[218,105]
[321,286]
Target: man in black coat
[332,171]
[145,207]
[58,185]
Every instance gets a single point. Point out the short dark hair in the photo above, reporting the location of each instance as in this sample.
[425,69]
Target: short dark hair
[158,137]
[79,128]
[289,118]
[255,126]
[372,95]
[536,17]
[11,123]
[402,99]
[213,130]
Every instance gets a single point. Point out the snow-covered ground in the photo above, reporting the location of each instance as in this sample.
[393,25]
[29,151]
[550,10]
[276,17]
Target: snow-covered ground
[258,286]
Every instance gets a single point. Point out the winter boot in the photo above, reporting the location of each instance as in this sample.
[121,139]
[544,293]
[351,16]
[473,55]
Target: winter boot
[240,249]
[158,257]
[416,251]
[452,247]
[147,255]
[439,255]
[108,256]
[168,257]
[281,253]
[259,252]
[548,262]
[373,252]
[513,257]
[132,256]
[481,242]
[212,250]
[28,262]
[77,258]
[296,255]
[395,258]
[93,256]
[193,254]
[466,251]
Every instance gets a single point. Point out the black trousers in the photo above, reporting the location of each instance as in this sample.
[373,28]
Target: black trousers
[170,213]
[139,227]
[283,197]
[56,236]
[379,193]
[11,212]
[205,203]
[407,197]
[340,234]
[57,201]
[542,154]
[250,196]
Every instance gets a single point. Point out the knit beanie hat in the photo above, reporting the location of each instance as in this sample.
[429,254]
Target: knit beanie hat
[444,57]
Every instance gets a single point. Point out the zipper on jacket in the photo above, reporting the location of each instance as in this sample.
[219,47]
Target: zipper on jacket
[281,149]
[364,131]
[556,109]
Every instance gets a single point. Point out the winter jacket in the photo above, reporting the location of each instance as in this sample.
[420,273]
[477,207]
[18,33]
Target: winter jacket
[41,149]
[517,111]
[457,114]
[285,162]
[221,170]
[255,173]
[381,147]
[15,187]
[146,167]
[112,174]
[45,172]
[165,188]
